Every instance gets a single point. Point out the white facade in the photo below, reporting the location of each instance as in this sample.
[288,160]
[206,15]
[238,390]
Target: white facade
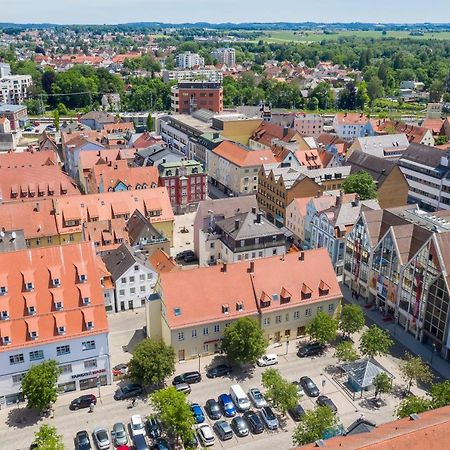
[84,362]
[213,76]
[225,56]
[14,88]
[309,124]
[134,286]
[188,60]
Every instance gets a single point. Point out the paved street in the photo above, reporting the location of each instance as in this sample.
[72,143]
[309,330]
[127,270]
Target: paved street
[126,330]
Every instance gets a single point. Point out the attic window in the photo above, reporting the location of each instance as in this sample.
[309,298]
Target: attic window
[177,311]
[5,315]
[82,277]
[89,325]
[225,309]
[86,301]
[59,305]
[62,330]
[31,310]
[6,340]
[324,289]
[33,334]
[239,306]
[275,297]
[29,286]
[3,290]
[56,282]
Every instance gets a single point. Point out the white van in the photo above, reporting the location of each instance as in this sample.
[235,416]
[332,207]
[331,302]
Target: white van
[239,398]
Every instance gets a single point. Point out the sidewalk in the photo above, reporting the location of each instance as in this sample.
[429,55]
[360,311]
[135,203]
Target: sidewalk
[404,338]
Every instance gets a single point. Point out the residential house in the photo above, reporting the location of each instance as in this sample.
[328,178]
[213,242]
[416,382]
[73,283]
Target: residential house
[52,309]
[19,160]
[330,226]
[384,146]
[133,277]
[14,89]
[244,236]
[397,260]
[392,186]
[16,114]
[352,125]
[266,134]
[309,124]
[234,168]
[186,183]
[210,211]
[190,96]
[427,170]
[414,133]
[96,120]
[282,294]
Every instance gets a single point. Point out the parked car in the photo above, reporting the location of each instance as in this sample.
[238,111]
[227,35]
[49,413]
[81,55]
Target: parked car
[297,412]
[28,129]
[300,390]
[309,386]
[239,398]
[254,422]
[212,408]
[161,444]
[126,447]
[83,401]
[139,442]
[206,435]
[119,434]
[257,398]
[323,400]
[187,377]
[82,441]
[239,426]
[269,418]
[219,371]
[184,254]
[190,258]
[191,443]
[267,360]
[198,413]
[128,391]
[120,369]
[137,425]
[227,405]
[101,438]
[153,426]
[311,349]
[223,430]
[183,387]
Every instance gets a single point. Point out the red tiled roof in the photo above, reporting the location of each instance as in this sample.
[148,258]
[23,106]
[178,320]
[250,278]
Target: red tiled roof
[243,157]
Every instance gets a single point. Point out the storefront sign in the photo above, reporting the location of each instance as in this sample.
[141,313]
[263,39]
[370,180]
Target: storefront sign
[87,374]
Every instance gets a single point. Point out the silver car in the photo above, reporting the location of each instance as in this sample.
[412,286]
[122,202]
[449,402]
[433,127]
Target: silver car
[101,438]
[257,398]
[269,418]
[119,434]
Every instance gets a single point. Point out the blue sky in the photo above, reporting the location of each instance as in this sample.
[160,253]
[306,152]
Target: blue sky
[176,11]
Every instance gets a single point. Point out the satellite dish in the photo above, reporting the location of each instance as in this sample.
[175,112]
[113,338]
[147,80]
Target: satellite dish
[13,235]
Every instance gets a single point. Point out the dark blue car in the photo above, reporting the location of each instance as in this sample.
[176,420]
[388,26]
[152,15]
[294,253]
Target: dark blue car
[197,411]
[227,405]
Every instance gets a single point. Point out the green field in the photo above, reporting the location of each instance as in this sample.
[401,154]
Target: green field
[316,36]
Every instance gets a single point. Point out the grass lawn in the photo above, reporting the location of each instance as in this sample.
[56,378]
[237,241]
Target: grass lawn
[279,36]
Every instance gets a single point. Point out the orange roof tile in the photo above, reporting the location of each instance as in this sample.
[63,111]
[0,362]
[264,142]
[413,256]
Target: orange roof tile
[351,119]
[242,156]
[162,262]
[87,160]
[39,261]
[18,160]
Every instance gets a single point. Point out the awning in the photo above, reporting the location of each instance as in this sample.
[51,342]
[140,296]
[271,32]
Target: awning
[33,324]
[60,319]
[30,299]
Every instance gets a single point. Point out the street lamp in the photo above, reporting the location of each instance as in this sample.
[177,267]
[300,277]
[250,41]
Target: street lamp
[433,351]
[395,322]
[199,359]
[287,346]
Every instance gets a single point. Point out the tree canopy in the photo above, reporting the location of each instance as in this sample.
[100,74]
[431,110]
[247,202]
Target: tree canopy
[152,362]
[361,183]
[352,319]
[47,438]
[346,352]
[415,370]
[283,394]
[412,405]
[323,328]
[244,341]
[39,385]
[313,425]
[382,383]
[375,341]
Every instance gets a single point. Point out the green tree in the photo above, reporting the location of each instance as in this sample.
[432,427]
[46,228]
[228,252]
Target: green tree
[56,119]
[345,352]
[362,97]
[174,411]
[361,183]
[375,89]
[149,122]
[412,405]
[313,425]
[313,104]
[283,394]
[323,328]
[375,341]
[152,362]
[39,385]
[382,383]
[244,341]
[414,370]
[352,319]
[440,394]
[436,91]
[47,438]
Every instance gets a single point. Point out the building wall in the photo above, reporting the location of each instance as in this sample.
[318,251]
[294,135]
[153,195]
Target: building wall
[394,190]
[295,222]
[239,130]
[186,101]
[55,240]
[309,124]
[80,372]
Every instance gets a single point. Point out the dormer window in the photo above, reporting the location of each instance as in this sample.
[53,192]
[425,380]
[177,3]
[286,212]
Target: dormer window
[33,334]
[5,315]
[31,310]
[89,325]
[82,277]
[6,340]
[29,286]
[225,309]
[56,282]
[58,305]
[3,290]
[177,311]
[61,330]
[86,300]
[239,306]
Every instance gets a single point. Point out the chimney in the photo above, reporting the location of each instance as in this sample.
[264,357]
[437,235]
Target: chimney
[285,131]
[339,198]
[258,217]
[302,256]
[164,160]
[224,267]
[236,224]
[356,202]
[251,269]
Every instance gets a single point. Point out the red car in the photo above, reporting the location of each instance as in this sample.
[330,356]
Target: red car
[123,447]
[120,369]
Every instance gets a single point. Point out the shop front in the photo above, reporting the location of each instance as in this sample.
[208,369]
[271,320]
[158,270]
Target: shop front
[91,379]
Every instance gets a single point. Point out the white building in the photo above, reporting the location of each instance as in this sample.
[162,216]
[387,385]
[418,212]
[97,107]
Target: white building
[188,60]
[52,308]
[225,56]
[209,75]
[5,70]
[309,124]
[14,88]
[133,276]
